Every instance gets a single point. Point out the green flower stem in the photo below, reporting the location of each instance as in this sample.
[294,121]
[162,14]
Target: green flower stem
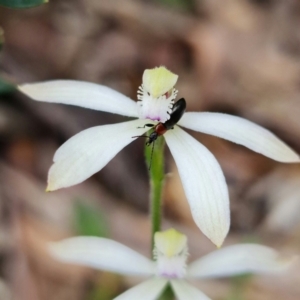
[155,163]
[156,174]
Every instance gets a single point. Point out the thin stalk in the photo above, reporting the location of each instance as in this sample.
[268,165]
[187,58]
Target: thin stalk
[155,164]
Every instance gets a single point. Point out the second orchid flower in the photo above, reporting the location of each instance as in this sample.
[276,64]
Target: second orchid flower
[169,267]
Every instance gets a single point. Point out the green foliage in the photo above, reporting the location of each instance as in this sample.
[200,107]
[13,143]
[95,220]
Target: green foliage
[22,3]
[107,287]
[89,221]
[238,286]
[185,5]
[6,87]
[1,37]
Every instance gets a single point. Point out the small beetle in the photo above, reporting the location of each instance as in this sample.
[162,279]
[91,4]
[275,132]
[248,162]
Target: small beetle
[161,128]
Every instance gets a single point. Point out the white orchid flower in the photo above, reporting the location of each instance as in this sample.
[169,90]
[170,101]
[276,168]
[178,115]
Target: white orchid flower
[90,150]
[170,254]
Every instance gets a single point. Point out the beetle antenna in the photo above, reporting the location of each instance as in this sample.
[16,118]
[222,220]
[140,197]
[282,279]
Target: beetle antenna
[151,155]
[137,136]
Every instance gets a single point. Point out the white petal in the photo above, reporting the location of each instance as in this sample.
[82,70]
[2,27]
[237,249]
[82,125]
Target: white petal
[238,259]
[148,290]
[185,291]
[80,93]
[89,151]
[240,131]
[103,254]
[203,182]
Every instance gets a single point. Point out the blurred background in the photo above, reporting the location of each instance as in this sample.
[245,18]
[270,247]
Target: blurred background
[240,57]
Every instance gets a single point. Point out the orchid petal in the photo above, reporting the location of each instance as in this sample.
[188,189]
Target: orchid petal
[80,93]
[147,290]
[103,254]
[240,131]
[237,259]
[89,151]
[204,184]
[185,291]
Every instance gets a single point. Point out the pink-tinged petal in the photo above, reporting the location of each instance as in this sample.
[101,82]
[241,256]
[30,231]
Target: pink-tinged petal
[240,131]
[81,93]
[103,254]
[147,290]
[89,151]
[238,259]
[203,182]
[185,291]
